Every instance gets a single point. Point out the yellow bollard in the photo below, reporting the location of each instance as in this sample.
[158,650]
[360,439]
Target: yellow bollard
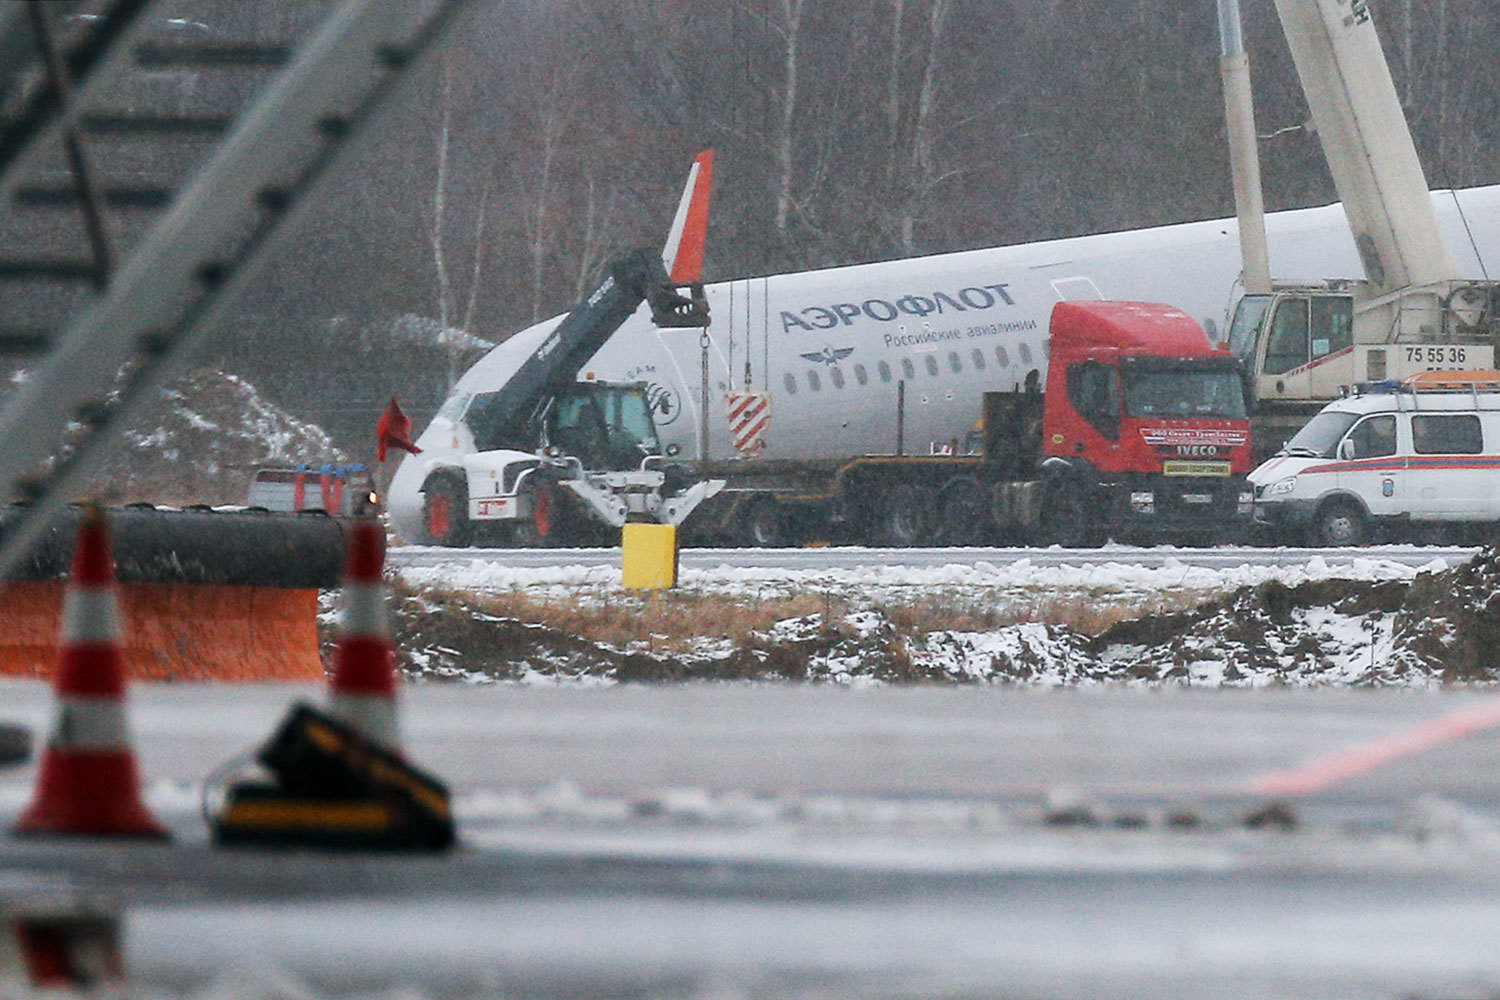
[648,554]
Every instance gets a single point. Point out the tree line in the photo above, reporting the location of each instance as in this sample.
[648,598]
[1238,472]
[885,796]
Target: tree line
[559,131]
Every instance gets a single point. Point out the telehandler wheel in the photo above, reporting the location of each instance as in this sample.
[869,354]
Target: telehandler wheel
[906,518]
[540,530]
[445,512]
[1340,523]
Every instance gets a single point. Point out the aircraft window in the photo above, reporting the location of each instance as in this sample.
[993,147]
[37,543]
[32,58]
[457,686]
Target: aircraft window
[1456,435]
[791,384]
[954,363]
[813,382]
[908,369]
[1025,354]
[1002,357]
[837,377]
[978,360]
[932,366]
[860,375]
[885,372]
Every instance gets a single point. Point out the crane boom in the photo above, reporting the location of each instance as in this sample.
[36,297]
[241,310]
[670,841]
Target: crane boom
[1366,141]
[504,418]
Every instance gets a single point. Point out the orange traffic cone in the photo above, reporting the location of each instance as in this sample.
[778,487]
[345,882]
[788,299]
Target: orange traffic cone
[362,691]
[89,783]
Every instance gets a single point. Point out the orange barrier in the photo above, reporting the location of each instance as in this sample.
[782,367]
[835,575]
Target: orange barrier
[175,631]
[89,783]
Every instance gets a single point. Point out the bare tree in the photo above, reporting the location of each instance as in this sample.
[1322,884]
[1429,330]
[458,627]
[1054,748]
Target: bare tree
[552,122]
[923,170]
[791,34]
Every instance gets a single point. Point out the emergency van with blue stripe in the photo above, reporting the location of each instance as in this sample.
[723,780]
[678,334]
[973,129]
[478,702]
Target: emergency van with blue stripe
[1398,460]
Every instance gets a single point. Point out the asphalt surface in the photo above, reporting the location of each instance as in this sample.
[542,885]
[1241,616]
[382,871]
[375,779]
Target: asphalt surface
[854,557]
[749,841]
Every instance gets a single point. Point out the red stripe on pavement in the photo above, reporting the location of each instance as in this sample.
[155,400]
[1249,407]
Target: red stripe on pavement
[1352,762]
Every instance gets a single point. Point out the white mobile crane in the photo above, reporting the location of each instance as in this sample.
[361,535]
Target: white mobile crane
[1413,311]
[549,457]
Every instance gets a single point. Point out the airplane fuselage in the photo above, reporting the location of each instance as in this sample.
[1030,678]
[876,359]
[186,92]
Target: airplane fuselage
[831,346]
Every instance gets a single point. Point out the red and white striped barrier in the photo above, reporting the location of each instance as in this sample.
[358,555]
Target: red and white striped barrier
[362,691]
[89,782]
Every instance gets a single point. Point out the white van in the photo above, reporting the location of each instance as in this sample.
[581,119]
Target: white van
[1410,460]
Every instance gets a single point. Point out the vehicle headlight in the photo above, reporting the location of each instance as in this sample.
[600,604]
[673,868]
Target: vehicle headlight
[1282,486]
[1247,497]
[1143,503]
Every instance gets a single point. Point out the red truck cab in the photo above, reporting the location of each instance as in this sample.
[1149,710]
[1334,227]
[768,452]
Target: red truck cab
[1147,417]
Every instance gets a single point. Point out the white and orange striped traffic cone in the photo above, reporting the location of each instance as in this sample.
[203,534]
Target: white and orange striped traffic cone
[89,783]
[362,691]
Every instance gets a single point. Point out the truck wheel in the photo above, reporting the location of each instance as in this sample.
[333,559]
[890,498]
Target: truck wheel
[1341,523]
[445,512]
[961,508]
[1070,520]
[763,527]
[906,516]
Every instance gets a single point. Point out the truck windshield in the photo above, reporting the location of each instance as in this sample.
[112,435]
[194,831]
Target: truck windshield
[1246,323]
[1184,392]
[1320,435]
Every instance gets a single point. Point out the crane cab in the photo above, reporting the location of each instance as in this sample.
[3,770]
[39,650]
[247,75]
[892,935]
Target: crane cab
[607,425]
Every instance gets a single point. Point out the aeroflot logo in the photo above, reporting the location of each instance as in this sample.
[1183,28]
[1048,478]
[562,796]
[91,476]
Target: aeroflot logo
[973,298]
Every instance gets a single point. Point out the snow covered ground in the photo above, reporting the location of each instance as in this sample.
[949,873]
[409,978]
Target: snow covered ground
[1097,574]
[1311,622]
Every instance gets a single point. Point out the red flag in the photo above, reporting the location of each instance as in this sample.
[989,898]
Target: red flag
[393,431]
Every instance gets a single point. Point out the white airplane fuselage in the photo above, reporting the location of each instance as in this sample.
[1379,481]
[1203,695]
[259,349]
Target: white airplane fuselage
[830,346]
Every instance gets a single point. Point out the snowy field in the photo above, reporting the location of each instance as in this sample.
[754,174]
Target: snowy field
[1051,618]
[1115,571]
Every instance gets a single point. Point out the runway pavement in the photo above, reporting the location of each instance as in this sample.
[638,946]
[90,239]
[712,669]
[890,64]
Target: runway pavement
[767,841]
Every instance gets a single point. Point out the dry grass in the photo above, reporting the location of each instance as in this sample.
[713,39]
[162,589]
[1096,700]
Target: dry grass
[673,621]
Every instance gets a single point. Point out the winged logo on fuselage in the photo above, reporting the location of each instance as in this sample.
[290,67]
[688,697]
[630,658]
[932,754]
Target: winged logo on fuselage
[829,355]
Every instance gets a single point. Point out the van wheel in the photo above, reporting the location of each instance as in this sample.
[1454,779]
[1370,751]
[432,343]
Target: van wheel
[1341,523]
[763,527]
[906,516]
[445,513]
